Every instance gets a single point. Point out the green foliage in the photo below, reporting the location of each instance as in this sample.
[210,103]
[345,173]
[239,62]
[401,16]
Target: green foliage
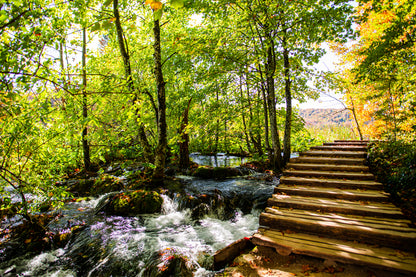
[394,164]
[217,62]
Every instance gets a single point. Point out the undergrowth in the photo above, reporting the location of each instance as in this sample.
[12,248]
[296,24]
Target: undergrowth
[394,164]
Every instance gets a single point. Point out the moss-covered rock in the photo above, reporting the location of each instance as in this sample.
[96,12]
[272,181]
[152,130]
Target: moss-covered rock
[80,187]
[134,202]
[170,263]
[215,172]
[105,184]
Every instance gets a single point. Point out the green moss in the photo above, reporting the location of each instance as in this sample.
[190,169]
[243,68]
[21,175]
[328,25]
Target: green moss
[136,202]
[106,183]
[204,172]
[215,173]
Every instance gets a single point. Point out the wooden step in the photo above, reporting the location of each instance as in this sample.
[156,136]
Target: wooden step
[403,238]
[338,250]
[338,154]
[331,183]
[333,193]
[345,143]
[325,160]
[328,167]
[329,174]
[362,208]
[358,220]
[339,148]
[351,141]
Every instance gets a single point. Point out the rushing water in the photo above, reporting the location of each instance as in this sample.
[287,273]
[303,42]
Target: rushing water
[135,246]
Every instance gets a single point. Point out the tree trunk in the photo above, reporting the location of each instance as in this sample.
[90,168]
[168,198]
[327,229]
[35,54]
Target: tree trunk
[276,158]
[266,116]
[144,143]
[85,145]
[217,129]
[256,143]
[288,96]
[354,114]
[160,157]
[184,162]
[244,118]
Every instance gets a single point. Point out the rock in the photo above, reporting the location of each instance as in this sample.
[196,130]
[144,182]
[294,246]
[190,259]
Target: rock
[203,172]
[216,172]
[200,211]
[134,202]
[80,186]
[105,184]
[170,264]
[229,253]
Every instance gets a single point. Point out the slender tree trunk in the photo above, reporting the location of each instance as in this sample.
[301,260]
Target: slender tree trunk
[288,96]
[217,129]
[266,116]
[276,158]
[243,117]
[184,162]
[160,157]
[85,145]
[256,143]
[225,137]
[354,114]
[391,97]
[144,143]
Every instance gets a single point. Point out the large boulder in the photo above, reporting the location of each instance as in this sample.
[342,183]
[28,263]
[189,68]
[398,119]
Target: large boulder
[135,202]
[105,183]
[170,263]
[216,172]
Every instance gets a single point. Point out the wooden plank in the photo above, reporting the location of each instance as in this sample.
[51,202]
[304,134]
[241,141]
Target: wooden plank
[380,224]
[329,160]
[398,222]
[342,154]
[335,206]
[329,174]
[345,143]
[337,250]
[388,238]
[365,205]
[339,148]
[328,167]
[337,183]
[351,141]
[357,195]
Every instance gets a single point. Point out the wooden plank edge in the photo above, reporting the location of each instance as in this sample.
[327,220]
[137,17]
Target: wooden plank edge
[286,249]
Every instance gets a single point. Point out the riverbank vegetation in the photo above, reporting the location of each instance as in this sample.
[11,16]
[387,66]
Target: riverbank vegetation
[394,164]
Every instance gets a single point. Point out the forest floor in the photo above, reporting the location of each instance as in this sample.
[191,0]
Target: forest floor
[264,261]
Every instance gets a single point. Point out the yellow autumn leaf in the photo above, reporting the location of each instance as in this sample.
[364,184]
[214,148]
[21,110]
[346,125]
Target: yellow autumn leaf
[112,19]
[156,5]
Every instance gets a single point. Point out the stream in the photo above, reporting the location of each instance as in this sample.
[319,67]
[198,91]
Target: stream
[143,245]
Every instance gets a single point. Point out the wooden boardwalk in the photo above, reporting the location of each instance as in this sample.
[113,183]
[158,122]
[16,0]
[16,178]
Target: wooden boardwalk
[329,206]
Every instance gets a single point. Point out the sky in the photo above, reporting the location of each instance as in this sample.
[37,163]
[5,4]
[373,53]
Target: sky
[327,63]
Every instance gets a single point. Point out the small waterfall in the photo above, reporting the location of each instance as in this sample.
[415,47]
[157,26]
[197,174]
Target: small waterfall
[169,206]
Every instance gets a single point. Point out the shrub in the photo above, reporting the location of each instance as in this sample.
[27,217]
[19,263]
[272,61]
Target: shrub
[394,164]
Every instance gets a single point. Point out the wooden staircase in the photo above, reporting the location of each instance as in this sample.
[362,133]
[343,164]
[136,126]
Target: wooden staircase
[329,206]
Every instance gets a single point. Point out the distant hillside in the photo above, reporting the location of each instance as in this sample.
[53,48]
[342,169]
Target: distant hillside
[325,117]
